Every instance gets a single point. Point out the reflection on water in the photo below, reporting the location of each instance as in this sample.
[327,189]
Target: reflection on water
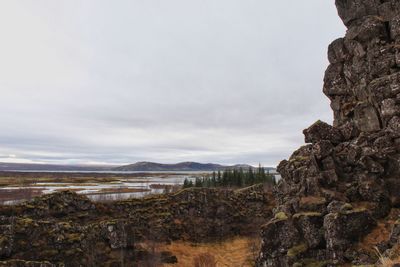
[117,190]
[122,196]
[120,189]
[13,202]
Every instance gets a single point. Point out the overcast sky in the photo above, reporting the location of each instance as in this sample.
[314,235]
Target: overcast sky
[224,81]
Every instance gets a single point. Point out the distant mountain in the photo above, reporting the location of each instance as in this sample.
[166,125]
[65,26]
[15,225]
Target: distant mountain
[238,166]
[50,167]
[138,167]
[182,166]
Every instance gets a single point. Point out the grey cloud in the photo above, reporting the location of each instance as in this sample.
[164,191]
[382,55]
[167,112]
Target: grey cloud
[216,81]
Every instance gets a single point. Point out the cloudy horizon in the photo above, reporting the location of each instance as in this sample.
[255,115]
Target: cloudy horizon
[101,82]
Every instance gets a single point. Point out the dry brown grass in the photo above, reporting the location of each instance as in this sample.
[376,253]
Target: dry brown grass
[204,260]
[237,252]
[380,233]
[385,261]
[312,200]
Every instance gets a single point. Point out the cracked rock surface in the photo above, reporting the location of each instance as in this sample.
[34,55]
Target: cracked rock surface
[335,189]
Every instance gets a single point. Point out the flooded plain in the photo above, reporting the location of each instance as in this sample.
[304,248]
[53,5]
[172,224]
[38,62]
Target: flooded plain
[18,187]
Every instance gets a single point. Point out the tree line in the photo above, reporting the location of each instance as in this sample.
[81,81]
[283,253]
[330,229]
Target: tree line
[233,178]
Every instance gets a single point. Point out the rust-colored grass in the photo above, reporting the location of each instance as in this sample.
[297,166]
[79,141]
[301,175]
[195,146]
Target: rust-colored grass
[311,200]
[236,252]
[380,233]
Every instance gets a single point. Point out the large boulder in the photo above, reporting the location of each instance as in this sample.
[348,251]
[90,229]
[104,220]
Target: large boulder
[344,228]
[353,10]
[281,233]
[321,131]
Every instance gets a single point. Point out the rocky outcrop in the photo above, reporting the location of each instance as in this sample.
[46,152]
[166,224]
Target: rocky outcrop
[335,188]
[66,229]
[22,263]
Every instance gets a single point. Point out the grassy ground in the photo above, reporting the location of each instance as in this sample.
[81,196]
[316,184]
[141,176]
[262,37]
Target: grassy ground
[29,187]
[26,178]
[237,252]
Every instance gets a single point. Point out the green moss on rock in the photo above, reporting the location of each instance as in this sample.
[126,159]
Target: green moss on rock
[296,250]
[281,216]
[74,237]
[307,214]
[358,210]
[346,206]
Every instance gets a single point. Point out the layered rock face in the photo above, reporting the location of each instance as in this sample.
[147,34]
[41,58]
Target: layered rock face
[66,229]
[335,189]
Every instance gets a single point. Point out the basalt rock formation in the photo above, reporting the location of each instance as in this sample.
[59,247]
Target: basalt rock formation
[66,229]
[336,189]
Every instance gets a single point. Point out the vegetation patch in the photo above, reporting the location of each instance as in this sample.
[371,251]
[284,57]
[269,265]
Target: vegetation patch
[239,251]
[311,263]
[281,216]
[297,250]
[233,178]
[307,214]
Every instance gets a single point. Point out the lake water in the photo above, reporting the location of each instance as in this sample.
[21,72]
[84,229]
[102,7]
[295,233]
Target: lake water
[121,188]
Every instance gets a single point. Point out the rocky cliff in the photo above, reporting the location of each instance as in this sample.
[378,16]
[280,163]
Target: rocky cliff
[337,190]
[66,229]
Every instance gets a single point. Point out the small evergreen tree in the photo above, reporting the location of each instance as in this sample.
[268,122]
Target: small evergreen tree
[186,183]
[198,182]
[214,179]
